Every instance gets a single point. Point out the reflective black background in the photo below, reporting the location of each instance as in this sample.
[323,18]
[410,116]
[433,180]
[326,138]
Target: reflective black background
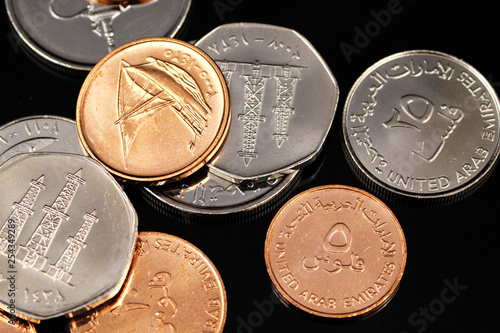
[451,246]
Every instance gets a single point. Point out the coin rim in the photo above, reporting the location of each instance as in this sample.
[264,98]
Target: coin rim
[45,56]
[366,175]
[206,156]
[231,175]
[105,294]
[381,302]
[209,262]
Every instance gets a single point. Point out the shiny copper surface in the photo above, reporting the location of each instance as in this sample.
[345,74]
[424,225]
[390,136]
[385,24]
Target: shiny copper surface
[336,252]
[9,325]
[172,287]
[154,110]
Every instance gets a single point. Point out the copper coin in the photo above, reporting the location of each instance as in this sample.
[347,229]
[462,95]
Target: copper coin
[153,110]
[10,324]
[172,287]
[336,252]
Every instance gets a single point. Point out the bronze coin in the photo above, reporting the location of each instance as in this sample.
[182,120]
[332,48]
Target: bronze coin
[172,287]
[153,110]
[9,324]
[336,252]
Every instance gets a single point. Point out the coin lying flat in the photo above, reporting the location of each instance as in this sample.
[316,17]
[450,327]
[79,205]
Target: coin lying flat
[336,252]
[172,287]
[283,99]
[153,110]
[39,134]
[76,34]
[209,194]
[67,234]
[422,124]
[14,325]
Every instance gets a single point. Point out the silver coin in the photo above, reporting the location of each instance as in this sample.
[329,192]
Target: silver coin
[209,194]
[422,124]
[76,34]
[283,99]
[39,134]
[67,234]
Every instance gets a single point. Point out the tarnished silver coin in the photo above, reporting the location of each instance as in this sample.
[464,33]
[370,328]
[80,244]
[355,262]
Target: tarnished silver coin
[39,134]
[283,99]
[422,124]
[67,234]
[207,194]
[76,34]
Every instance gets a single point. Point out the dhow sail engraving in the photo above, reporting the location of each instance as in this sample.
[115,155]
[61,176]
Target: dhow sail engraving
[153,87]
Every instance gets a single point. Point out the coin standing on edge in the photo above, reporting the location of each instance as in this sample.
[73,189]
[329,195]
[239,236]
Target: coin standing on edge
[172,287]
[212,195]
[67,234]
[42,133]
[422,124]
[75,35]
[336,252]
[153,111]
[283,99]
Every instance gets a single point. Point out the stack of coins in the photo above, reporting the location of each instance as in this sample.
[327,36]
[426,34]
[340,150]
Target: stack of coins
[276,128]
[222,127]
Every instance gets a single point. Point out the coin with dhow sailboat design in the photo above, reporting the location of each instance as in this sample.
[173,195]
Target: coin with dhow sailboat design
[154,110]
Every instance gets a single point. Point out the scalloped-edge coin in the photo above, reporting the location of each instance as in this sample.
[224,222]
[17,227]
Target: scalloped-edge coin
[74,35]
[172,287]
[336,252]
[42,133]
[67,234]
[422,124]
[283,99]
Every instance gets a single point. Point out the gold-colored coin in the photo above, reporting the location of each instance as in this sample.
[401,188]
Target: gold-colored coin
[154,110]
[9,324]
[172,287]
[336,252]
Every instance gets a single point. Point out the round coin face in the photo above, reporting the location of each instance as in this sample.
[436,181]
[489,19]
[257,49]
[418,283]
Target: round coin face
[76,34]
[172,287]
[422,124]
[67,234]
[335,252]
[154,110]
[283,99]
[39,134]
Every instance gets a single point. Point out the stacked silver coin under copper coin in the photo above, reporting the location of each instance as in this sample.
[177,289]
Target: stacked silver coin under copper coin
[276,127]
[422,125]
